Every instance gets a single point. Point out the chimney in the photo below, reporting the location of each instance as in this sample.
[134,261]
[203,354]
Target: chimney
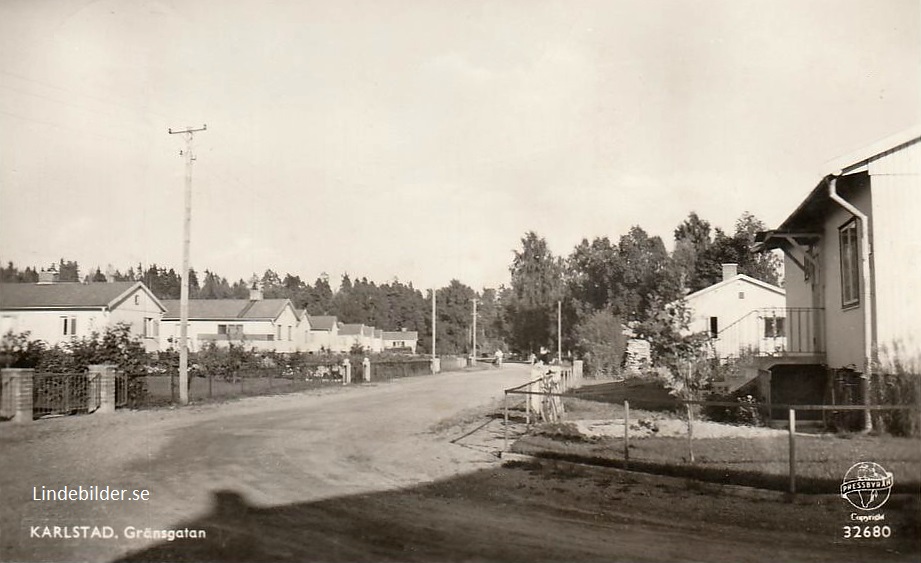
[48,276]
[110,274]
[730,271]
[255,293]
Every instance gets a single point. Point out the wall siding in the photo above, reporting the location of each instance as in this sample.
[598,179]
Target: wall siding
[844,327]
[896,181]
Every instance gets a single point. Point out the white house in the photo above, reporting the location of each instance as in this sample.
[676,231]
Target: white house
[853,256]
[351,335]
[401,340]
[256,323]
[57,312]
[323,333]
[740,313]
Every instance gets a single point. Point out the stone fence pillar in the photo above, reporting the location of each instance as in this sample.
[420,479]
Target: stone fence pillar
[347,376]
[17,394]
[577,372]
[436,365]
[105,383]
[366,369]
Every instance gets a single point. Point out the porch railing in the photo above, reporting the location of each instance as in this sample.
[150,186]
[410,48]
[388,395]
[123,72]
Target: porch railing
[773,331]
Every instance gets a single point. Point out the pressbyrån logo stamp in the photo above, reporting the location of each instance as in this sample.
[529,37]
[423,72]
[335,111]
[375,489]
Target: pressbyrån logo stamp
[866,485]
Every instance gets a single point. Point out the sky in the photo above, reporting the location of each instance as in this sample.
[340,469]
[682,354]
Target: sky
[420,140]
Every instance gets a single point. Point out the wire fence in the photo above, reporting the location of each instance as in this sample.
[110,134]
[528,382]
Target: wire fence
[789,455]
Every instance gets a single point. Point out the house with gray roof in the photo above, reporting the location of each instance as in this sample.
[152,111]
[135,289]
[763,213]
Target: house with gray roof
[400,340]
[323,333]
[57,312]
[255,324]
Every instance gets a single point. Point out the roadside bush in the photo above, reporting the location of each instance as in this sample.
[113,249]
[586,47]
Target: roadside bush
[897,381]
[601,342]
[748,413]
[19,351]
[115,346]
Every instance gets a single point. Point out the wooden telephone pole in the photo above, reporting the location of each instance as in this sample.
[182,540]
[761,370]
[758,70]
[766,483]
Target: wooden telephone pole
[189,132]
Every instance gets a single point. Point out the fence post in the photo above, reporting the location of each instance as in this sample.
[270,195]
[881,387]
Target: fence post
[792,451]
[505,428]
[347,376]
[527,403]
[366,369]
[20,383]
[626,433]
[106,375]
[690,435]
[210,385]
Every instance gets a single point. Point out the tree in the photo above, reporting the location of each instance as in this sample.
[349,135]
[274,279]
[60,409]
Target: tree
[648,275]
[536,286]
[699,258]
[692,242]
[600,339]
[594,274]
[454,318]
[69,271]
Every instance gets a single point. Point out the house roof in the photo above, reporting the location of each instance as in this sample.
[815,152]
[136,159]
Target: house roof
[862,156]
[733,279]
[351,329]
[818,198]
[226,309]
[401,335]
[322,322]
[70,295]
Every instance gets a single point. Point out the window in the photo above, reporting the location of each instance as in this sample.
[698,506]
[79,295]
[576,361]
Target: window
[151,327]
[850,264]
[69,326]
[714,327]
[774,327]
[137,299]
[741,295]
[279,334]
[289,333]
[233,332]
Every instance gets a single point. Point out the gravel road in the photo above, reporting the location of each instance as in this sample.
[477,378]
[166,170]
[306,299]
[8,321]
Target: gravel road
[368,473]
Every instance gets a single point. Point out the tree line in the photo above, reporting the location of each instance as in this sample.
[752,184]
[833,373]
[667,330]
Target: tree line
[600,287]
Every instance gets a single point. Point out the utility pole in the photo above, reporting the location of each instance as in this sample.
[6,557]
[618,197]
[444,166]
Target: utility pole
[433,324]
[189,132]
[474,329]
[559,332]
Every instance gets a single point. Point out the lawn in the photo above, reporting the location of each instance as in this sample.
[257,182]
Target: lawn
[746,457]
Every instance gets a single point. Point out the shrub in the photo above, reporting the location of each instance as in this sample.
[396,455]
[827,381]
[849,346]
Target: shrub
[897,381]
[18,351]
[748,412]
[601,341]
[115,346]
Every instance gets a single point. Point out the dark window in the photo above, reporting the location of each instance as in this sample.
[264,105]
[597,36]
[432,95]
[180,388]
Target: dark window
[714,326]
[850,264]
[774,327]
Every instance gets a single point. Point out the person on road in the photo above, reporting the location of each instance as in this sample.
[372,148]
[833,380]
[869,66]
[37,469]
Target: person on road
[544,356]
[499,355]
